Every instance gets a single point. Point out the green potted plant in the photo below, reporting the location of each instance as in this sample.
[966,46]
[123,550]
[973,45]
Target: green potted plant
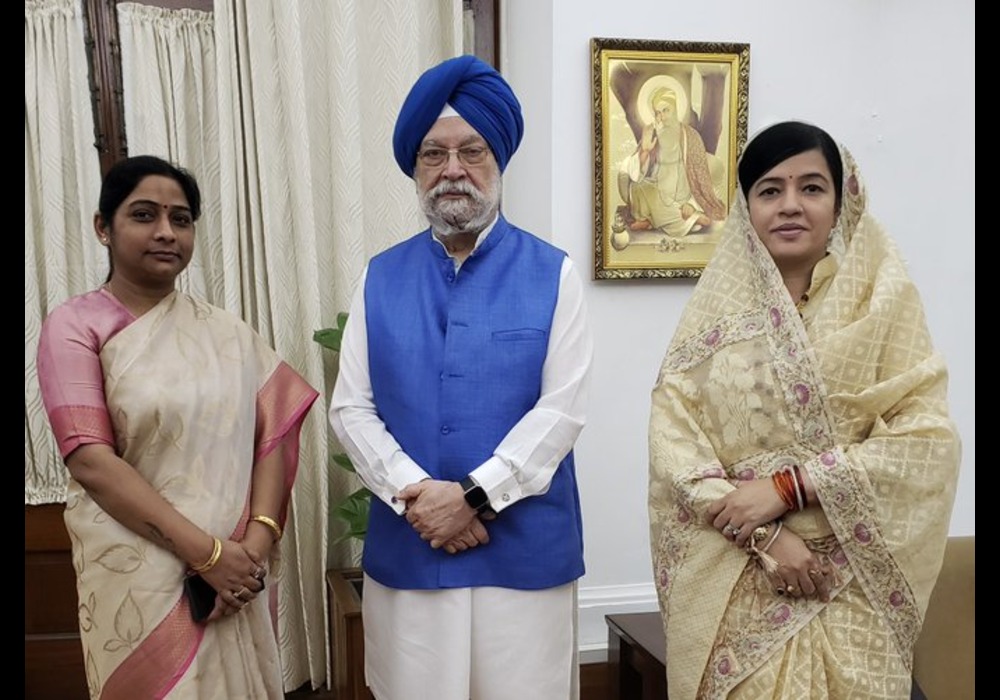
[353,509]
[344,586]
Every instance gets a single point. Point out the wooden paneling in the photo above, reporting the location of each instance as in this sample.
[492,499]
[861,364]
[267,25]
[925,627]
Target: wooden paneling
[50,603]
[53,668]
[53,658]
[594,682]
[486,23]
[347,635]
[44,529]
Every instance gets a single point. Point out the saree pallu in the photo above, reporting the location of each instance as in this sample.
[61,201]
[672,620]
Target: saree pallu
[195,398]
[854,394]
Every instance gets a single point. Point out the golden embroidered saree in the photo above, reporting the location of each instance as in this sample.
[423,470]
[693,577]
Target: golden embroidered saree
[192,398]
[851,391]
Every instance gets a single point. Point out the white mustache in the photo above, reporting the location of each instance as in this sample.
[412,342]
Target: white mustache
[455,187]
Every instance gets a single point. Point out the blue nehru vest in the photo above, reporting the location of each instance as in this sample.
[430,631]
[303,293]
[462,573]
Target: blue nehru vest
[455,362]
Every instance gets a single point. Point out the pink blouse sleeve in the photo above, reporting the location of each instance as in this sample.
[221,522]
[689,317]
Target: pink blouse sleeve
[69,369]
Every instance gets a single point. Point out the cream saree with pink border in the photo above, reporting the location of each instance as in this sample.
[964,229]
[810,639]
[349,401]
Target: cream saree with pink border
[851,391]
[194,398]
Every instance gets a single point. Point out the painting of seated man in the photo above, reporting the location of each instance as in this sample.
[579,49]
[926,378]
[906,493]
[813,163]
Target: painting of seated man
[670,120]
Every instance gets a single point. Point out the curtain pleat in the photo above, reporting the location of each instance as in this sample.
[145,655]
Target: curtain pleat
[61,184]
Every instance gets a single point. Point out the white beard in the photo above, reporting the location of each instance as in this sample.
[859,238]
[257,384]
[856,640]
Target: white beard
[471,214]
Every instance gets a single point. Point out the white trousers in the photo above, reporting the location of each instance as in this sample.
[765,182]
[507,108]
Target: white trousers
[471,643]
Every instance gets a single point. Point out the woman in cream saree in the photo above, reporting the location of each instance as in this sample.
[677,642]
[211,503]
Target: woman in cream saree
[200,408]
[841,390]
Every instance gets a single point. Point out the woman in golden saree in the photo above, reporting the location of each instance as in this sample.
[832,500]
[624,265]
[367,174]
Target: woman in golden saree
[179,426]
[802,461]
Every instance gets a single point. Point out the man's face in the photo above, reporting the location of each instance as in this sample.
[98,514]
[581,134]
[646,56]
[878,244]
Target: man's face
[666,113]
[455,197]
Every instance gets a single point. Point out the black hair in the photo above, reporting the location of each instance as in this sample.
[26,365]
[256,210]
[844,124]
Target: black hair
[125,175]
[782,141]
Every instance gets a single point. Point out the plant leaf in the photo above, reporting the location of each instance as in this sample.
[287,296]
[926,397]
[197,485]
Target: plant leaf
[353,511]
[329,338]
[344,462]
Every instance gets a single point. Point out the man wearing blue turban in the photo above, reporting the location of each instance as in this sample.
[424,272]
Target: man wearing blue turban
[462,388]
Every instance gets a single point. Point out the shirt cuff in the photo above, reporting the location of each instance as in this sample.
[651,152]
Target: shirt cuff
[403,471]
[497,480]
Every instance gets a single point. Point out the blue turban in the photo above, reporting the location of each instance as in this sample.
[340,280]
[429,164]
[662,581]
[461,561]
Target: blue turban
[477,92]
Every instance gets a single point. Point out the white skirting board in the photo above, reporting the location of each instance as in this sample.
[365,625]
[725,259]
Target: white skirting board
[595,602]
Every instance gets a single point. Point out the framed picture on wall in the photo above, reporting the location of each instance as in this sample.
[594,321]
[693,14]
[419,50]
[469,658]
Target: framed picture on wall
[670,120]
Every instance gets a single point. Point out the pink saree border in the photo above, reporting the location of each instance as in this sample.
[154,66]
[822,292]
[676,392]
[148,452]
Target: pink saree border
[155,667]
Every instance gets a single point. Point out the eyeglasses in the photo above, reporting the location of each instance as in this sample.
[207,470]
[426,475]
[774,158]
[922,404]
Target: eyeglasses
[435,157]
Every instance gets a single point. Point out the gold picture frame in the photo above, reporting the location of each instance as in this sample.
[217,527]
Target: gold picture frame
[670,120]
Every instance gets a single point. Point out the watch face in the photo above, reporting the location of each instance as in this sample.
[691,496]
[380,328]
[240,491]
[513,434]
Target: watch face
[476,497]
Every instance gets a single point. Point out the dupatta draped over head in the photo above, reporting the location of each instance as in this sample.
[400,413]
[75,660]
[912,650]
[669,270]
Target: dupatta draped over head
[852,392]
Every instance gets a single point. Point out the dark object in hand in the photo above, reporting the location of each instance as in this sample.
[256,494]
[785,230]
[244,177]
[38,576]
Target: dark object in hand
[200,595]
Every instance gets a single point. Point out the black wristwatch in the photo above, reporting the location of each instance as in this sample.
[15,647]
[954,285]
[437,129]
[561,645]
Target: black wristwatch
[475,496]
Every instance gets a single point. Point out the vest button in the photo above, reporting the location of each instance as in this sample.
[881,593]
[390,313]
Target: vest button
[451,276]
[445,430]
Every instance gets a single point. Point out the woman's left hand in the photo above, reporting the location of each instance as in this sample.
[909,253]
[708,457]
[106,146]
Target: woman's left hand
[258,542]
[800,572]
[750,505]
[237,577]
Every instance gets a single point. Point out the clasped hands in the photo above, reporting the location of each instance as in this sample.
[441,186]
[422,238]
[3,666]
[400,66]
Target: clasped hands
[237,577]
[438,512]
[752,504]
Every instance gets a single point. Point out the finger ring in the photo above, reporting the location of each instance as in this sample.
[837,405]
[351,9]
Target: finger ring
[791,589]
[239,594]
[736,531]
[815,572]
[260,573]
[780,591]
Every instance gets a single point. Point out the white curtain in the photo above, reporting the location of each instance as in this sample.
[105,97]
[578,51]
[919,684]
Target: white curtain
[290,138]
[61,184]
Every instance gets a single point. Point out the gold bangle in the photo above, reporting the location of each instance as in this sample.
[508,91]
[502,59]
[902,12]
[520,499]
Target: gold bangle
[269,522]
[212,560]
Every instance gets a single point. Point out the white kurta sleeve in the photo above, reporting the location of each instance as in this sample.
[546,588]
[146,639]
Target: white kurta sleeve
[526,459]
[379,460]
